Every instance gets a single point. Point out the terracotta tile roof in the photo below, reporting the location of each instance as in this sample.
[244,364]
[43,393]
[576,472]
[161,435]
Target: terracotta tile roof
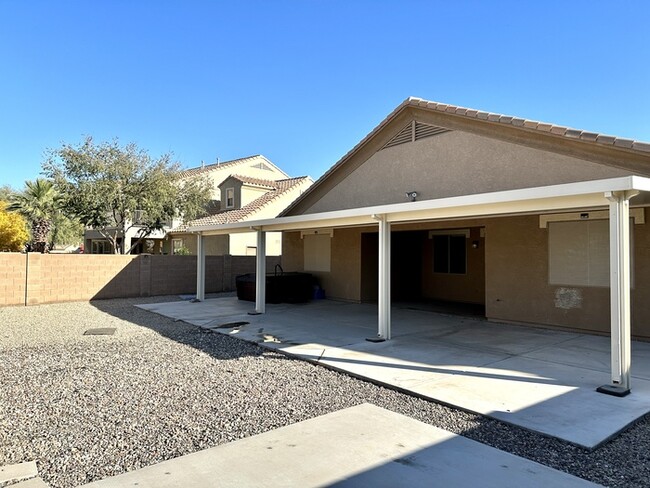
[258,158]
[248,180]
[528,124]
[278,188]
[524,124]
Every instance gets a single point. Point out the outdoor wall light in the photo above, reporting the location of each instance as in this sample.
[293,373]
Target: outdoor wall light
[412,195]
[474,244]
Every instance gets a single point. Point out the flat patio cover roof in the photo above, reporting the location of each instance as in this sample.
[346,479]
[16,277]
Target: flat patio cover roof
[583,194]
[614,193]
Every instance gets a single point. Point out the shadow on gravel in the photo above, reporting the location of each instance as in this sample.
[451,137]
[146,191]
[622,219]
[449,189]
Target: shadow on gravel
[214,344]
[613,464]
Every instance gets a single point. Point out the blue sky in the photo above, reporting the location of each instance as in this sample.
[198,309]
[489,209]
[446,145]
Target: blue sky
[303,81]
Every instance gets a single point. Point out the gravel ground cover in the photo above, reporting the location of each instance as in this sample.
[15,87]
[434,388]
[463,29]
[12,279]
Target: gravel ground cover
[88,407]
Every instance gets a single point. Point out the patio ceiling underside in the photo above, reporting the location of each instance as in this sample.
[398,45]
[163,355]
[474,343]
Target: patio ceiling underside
[590,194]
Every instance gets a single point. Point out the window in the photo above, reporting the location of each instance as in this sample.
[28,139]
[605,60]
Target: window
[177,244]
[230,197]
[579,253]
[450,252]
[317,251]
[101,247]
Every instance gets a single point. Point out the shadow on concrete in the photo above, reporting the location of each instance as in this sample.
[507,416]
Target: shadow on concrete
[206,341]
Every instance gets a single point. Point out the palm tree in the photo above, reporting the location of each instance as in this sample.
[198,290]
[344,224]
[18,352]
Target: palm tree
[38,203]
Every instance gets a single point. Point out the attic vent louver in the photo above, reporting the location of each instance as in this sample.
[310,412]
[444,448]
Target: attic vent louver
[261,165]
[414,132]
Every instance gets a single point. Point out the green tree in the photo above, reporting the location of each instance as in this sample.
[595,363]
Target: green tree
[13,230]
[113,188]
[38,203]
[6,192]
[66,231]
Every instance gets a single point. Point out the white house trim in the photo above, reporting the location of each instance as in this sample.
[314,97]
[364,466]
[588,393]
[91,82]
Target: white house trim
[612,193]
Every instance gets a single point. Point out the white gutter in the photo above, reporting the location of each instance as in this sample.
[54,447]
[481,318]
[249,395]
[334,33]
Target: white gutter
[544,198]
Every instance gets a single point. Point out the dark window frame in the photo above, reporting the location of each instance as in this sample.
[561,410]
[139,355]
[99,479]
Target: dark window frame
[450,254]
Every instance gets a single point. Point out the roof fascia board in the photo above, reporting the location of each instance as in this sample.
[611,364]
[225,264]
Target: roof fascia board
[553,197]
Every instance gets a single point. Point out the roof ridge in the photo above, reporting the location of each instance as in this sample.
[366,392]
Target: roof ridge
[254,180]
[217,165]
[490,117]
[561,130]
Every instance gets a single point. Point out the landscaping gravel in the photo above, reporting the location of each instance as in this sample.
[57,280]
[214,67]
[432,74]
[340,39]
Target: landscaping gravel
[90,406]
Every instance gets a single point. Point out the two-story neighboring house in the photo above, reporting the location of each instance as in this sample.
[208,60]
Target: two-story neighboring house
[243,198]
[256,166]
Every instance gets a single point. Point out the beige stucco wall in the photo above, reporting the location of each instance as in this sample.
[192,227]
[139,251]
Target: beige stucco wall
[516,276]
[343,281]
[218,175]
[250,193]
[518,287]
[455,163]
[240,243]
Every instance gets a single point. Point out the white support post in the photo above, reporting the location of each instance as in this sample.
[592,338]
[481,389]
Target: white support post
[260,273]
[384,321]
[619,277]
[200,268]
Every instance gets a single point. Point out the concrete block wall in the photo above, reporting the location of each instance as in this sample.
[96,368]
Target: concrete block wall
[13,275]
[70,277]
[48,278]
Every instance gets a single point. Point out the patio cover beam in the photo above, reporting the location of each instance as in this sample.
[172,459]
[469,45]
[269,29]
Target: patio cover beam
[584,194]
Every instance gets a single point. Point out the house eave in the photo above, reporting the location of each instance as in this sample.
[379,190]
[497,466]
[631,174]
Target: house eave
[585,194]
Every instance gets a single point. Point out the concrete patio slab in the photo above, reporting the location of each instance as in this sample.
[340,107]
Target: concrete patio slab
[32,483]
[539,379]
[356,447]
[17,472]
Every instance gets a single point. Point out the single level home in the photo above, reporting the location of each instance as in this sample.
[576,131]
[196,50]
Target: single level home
[523,221]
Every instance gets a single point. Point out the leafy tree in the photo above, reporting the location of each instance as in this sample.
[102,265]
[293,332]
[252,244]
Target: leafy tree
[38,203]
[6,192]
[114,188]
[13,230]
[66,231]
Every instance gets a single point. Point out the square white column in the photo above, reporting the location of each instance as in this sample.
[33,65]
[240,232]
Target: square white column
[200,268]
[619,277]
[260,273]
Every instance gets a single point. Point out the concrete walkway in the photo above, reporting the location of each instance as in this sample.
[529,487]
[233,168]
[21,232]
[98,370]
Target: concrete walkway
[538,379]
[356,447]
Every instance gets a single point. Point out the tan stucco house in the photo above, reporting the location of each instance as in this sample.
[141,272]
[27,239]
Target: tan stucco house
[173,235]
[529,222]
[244,198]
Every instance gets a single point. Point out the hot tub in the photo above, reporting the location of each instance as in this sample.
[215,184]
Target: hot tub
[292,287]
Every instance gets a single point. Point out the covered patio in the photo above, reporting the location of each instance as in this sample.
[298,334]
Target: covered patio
[613,194]
[543,380]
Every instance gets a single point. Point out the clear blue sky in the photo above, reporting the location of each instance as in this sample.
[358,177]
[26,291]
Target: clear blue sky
[303,81]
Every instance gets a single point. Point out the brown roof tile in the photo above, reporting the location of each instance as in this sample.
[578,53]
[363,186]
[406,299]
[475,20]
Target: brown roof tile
[248,180]
[524,124]
[279,187]
[226,164]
